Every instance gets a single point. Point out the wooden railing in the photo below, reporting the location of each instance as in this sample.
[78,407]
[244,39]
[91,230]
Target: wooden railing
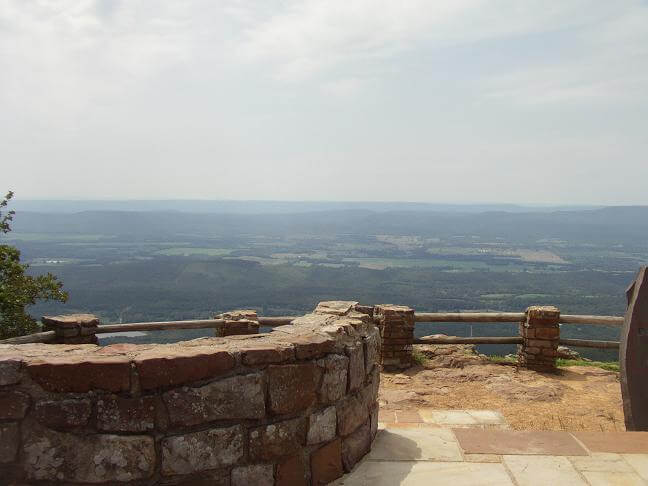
[473,317]
[513,317]
[49,336]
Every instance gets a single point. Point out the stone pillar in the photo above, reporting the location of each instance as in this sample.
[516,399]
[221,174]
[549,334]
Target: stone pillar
[238,322]
[396,323]
[540,333]
[72,328]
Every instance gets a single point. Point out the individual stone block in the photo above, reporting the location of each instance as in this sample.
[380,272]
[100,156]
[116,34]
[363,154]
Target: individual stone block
[373,417]
[292,472]
[356,366]
[326,463]
[9,371]
[356,445]
[313,346]
[334,380]
[60,457]
[292,387]
[13,405]
[371,350]
[278,440]
[322,426]
[162,367]
[81,374]
[335,307]
[238,322]
[62,414]
[352,412]
[120,414]
[262,354]
[71,325]
[257,475]
[204,450]
[9,440]
[238,397]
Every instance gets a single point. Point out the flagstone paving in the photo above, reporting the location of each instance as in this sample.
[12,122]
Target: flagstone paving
[420,451]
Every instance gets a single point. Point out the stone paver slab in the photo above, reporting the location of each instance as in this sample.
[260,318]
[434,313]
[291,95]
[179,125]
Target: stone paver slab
[447,417]
[408,416]
[482,458]
[639,463]
[619,442]
[487,417]
[613,479]
[426,474]
[477,441]
[429,444]
[601,462]
[543,471]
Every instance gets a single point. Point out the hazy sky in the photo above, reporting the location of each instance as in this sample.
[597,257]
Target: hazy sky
[517,101]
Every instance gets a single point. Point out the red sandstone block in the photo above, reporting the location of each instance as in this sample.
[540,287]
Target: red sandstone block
[313,346]
[540,343]
[81,374]
[120,414]
[291,472]
[356,366]
[63,414]
[292,387]
[9,441]
[160,369]
[267,354]
[13,405]
[326,463]
[400,341]
[356,445]
[547,333]
[278,440]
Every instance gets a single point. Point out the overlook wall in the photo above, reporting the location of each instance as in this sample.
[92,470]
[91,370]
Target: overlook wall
[294,407]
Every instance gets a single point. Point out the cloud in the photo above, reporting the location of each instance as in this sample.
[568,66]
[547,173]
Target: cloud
[305,38]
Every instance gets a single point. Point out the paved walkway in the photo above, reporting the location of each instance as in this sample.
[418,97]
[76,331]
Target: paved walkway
[433,449]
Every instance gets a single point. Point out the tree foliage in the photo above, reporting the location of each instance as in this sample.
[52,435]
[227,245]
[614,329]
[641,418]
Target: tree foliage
[18,290]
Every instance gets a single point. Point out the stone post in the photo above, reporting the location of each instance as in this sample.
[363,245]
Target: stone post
[540,334]
[396,323]
[72,328]
[238,322]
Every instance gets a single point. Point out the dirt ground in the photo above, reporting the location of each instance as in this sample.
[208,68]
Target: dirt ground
[456,377]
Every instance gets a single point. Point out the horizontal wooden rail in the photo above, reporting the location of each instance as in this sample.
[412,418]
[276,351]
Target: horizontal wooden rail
[158,326]
[512,317]
[468,340]
[585,343]
[593,320]
[39,337]
[469,316]
[276,321]
[197,324]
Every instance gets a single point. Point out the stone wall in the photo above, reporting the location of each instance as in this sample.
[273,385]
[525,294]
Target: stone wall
[294,407]
[540,334]
[396,324]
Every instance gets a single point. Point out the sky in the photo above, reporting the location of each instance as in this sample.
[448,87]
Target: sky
[457,101]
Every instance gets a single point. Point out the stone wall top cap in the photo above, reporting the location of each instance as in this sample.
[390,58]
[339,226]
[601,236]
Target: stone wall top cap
[335,307]
[72,320]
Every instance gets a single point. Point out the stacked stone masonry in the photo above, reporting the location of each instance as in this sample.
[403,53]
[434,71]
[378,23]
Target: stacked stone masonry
[541,335]
[396,325]
[294,407]
[237,323]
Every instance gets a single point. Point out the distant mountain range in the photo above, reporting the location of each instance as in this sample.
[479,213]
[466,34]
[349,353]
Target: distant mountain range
[620,224]
[266,207]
